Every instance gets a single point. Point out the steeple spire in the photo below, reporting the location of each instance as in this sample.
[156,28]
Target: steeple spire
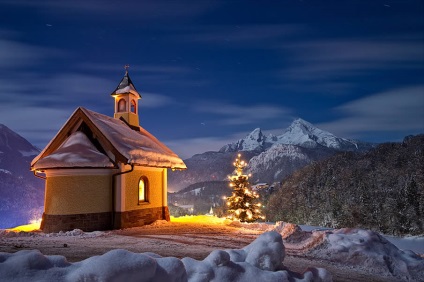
[126,100]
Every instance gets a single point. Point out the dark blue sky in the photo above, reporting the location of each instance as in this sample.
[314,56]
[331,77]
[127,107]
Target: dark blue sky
[212,71]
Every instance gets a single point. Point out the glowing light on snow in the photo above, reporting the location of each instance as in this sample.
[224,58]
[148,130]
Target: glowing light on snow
[34,225]
[200,219]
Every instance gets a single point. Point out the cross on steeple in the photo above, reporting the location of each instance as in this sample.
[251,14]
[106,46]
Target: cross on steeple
[126,67]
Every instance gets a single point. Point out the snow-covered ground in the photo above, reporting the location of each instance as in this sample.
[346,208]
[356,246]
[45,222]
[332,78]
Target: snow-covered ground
[413,243]
[206,249]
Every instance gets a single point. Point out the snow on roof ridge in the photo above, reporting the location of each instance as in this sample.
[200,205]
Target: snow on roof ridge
[76,151]
[139,147]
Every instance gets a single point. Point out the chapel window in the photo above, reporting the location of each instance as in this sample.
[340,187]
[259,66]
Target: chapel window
[122,106]
[142,190]
[133,107]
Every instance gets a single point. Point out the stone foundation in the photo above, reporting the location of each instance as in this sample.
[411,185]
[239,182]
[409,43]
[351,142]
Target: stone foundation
[142,217]
[87,222]
[102,221]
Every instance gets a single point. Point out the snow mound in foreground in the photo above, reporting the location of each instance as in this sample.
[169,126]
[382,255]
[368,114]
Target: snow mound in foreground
[371,251]
[261,260]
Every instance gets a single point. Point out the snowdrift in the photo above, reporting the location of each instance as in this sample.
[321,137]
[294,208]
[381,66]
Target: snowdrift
[261,260]
[358,248]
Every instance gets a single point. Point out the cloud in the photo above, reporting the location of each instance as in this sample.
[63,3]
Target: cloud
[36,124]
[240,114]
[15,55]
[186,148]
[65,90]
[37,106]
[341,58]
[398,110]
[151,100]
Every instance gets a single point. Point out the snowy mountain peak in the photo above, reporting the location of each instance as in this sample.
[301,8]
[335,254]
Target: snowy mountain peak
[303,133]
[303,124]
[300,133]
[10,141]
[255,135]
[255,140]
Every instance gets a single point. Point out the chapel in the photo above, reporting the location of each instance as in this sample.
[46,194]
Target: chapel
[104,172]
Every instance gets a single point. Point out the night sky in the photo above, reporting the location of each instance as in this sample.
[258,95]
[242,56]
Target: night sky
[210,72]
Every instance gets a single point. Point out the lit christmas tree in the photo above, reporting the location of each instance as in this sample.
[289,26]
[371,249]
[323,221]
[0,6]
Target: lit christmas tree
[243,203]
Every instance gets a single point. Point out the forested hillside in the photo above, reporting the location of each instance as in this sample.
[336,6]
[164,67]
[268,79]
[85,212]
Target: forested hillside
[382,190]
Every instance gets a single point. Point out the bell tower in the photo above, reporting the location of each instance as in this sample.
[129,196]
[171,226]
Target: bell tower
[126,100]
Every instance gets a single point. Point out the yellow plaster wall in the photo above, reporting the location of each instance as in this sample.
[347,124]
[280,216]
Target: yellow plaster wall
[131,118]
[78,194]
[155,188]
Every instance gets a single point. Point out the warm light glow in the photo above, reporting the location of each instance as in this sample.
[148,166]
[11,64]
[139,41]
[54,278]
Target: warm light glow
[241,205]
[141,190]
[201,219]
[33,226]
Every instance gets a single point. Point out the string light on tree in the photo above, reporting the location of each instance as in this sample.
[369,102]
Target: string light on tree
[243,203]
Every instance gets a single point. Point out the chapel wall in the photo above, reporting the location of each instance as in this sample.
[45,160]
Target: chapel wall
[78,194]
[155,188]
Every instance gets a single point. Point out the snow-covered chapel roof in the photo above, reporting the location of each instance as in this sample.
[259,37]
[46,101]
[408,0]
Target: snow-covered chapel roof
[123,144]
[76,151]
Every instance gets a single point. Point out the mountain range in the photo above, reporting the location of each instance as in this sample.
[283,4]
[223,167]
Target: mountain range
[270,157]
[22,194]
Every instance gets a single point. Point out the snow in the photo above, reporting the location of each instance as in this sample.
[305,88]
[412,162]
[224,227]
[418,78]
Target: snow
[233,251]
[299,133]
[261,259]
[76,151]
[5,171]
[196,191]
[268,158]
[29,153]
[414,243]
[374,251]
[126,89]
[139,147]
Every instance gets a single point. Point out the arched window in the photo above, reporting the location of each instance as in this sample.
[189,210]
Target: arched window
[133,107]
[122,107]
[142,190]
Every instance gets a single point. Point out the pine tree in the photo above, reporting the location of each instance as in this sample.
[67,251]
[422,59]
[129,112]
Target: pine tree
[242,204]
